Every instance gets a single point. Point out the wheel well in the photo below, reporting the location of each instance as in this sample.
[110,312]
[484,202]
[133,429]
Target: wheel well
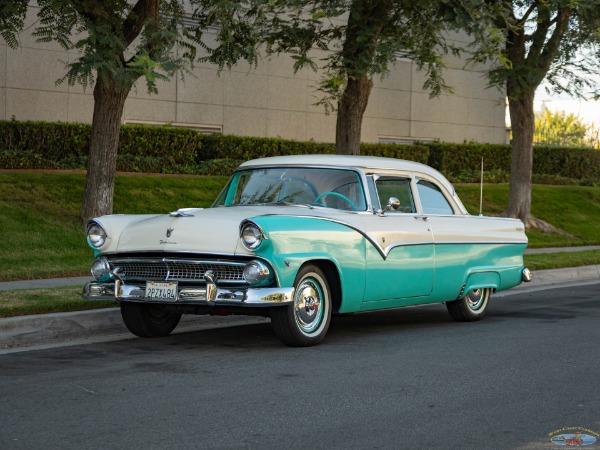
[333,278]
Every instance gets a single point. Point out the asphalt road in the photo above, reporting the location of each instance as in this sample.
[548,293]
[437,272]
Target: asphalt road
[403,379]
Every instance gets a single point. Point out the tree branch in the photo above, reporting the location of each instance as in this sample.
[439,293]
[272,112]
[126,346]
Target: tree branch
[143,9]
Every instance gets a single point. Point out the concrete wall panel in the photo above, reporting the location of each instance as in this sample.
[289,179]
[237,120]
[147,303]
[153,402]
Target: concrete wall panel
[167,90]
[36,69]
[3,62]
[245,90]
[267,100]
[320,127]
[244,121]
[149,110]
[389,104]
[81,108]
[444,109]
[26,104]
[392,128]
[205,87]
[286,124]
[200,113]
[288,94]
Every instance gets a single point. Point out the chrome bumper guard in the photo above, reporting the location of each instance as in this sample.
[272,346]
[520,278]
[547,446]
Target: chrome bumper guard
[191,295]
[526,275]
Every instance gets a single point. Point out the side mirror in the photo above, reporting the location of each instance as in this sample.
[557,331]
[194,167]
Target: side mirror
[393,203]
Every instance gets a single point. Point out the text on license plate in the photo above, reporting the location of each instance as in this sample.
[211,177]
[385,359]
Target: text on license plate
[161,291]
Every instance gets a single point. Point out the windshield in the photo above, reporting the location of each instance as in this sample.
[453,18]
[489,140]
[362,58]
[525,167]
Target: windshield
[330,188]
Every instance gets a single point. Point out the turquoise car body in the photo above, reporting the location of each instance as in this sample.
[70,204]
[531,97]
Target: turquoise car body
[311,235]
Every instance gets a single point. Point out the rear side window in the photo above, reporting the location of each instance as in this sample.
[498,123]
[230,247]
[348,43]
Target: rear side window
[432,199]
[396,187]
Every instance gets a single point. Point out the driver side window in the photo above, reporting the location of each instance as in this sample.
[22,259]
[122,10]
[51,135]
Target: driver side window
[395,187]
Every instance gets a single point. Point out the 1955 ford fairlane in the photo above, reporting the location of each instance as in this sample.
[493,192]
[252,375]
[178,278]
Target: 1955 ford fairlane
[298,238]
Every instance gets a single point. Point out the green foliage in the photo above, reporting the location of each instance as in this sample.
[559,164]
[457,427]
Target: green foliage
[418,153]
[12,19]
[164,149]
[244,148]
[552,40]
[560,128]
[455,160]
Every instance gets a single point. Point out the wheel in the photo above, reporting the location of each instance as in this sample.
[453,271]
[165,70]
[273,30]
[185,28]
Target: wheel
[306,320]
[146,320]
[471,307]
[335,194]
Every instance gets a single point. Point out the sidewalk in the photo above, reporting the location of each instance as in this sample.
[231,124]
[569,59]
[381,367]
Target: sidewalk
[36,330]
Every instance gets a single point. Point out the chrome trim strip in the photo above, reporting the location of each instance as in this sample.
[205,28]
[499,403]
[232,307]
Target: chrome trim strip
[252,297]
[384,252]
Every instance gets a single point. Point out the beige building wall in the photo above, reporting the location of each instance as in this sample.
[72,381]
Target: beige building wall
[269,100]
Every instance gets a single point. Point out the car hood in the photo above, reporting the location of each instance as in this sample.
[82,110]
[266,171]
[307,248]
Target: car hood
[213,230]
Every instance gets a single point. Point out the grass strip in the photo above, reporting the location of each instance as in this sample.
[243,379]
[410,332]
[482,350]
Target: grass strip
[559,260]
[23,302]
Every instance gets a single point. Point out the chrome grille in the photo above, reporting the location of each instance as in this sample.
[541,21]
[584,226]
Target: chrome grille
[177,269]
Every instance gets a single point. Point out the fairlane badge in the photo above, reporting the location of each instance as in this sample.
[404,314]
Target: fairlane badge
[167,242]
[169,232]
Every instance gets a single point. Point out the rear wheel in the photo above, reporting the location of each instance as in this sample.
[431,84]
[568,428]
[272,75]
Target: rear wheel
[471,307]
[305,321]
[146,320]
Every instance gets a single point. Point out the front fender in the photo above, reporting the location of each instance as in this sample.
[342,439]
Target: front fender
[294,241]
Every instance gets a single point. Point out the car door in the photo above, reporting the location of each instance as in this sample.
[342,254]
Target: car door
[400,257]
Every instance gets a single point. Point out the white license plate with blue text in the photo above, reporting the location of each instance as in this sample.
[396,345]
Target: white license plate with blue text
[165,291]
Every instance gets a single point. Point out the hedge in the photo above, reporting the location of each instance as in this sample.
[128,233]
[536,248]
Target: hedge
[164,149]
[551,164]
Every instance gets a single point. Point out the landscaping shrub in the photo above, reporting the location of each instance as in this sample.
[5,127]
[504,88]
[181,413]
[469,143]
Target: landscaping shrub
[165,149]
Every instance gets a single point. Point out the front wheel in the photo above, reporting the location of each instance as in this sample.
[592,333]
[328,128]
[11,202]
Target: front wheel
[305,321]
[471,307]
[146,320]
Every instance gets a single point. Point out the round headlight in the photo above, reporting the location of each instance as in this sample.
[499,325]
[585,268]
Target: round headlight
[96,235]
[100,268]
[256,272]
[251,236]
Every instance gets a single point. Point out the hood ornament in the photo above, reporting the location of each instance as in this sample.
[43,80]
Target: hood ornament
[182,212]
[169,232]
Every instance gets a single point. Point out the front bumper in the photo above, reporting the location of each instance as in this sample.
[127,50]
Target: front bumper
[188,295]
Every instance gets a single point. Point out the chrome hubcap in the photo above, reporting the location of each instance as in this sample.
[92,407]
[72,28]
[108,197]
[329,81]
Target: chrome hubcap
[475,299]
[308,305]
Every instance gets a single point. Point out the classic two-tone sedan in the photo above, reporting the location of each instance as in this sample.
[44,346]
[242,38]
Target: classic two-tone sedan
[299,238]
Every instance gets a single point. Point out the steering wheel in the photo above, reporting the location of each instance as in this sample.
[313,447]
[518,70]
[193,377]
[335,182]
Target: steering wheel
[335,194]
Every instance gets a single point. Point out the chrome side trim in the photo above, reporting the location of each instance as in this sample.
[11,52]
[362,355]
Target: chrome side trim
[384,252]
[255,297]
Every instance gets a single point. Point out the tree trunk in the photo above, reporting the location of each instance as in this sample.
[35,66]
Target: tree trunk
[521,166]
[109,102]
[351,109]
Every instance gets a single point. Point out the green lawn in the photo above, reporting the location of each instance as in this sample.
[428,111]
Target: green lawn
[41,236]
[574,209]
[40,232]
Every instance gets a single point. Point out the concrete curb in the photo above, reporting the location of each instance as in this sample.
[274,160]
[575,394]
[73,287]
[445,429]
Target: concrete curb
[42,329]
[565,275]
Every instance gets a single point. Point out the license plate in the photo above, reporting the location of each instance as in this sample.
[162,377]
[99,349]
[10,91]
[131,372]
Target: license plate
[161,291]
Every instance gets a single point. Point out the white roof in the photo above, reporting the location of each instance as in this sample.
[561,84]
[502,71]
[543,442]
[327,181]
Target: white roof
[362,162]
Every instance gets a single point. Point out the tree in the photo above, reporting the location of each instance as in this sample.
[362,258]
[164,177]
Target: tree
[552,40]
[361,40]
[561,128]
[119,42]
